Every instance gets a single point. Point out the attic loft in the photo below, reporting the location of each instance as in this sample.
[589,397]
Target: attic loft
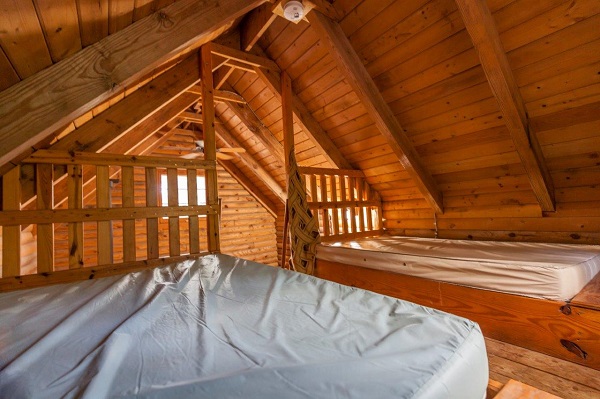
[432,137]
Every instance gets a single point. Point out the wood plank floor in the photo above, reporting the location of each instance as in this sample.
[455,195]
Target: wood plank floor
[559,377]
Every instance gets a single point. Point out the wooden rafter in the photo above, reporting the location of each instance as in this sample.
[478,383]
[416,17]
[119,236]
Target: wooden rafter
[249,161]
[94,74]
[255,24]
[350,64]
[249,59]
[305,120]
[482,28]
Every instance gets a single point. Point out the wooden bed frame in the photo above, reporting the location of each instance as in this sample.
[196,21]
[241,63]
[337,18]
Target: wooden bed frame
[567,330]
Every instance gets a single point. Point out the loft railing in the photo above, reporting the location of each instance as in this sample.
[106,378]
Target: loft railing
[345,206]
[97,173]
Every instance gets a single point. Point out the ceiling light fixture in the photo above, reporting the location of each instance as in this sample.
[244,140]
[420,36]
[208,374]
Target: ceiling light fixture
[293,11]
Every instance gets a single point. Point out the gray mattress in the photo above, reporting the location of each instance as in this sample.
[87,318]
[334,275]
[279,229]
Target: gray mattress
[222,327]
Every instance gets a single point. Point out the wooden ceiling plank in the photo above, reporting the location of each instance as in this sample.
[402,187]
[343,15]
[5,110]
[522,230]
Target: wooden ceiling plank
[143,8]
[120,15]
[60,24]
[249,161]
[244,57]
[356,74]
[483,31]
[22,38]
[95,73]
[255,24]
[249,186]
[93,20]
[9,76]
[305,120]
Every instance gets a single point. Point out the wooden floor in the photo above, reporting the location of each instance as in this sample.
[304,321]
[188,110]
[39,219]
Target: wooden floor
[565,379]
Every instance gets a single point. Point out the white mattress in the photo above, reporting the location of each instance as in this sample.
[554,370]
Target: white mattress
[550,271]
[222,327]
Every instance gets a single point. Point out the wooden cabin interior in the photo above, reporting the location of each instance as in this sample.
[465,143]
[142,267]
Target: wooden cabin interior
[136,133]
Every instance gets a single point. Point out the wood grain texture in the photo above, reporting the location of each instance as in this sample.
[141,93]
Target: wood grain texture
[99,71]
[11,236]
[45,232]
[105,231]
[128,201]
[353,69]
[93,20]
[173,198]
[152,223]
[60,24]
[482,29]
[75,190]
[515,389]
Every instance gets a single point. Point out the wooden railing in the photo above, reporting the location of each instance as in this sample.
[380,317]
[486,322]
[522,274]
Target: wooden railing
[97,172]
[345,206]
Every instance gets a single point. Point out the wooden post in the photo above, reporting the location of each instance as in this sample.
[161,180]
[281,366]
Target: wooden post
[210,145]
[334,199]
[104,240]
[351,186]
[288,141]
[344,197]
[128,200]
[152,223]
[11,235]
[45,231]
[75,190]
[194,230]
[361,209]
[173,196]
[325,210]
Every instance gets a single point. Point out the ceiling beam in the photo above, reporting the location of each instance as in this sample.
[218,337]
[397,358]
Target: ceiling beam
[255,125]
[482,28]
[251,163]
[45,102]
[255,23]
[351,66]
[244,57]
[305,120]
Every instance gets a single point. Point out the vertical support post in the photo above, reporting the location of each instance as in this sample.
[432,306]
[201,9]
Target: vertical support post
[45,231]
[173,197]
[313,189]
[194,230]
[210,145]
[11,235]
[288,141]
[370,210]
[361,209]
[128,201]
[351,187]
[75,190]
[151,223]
[324,202]
[104,240]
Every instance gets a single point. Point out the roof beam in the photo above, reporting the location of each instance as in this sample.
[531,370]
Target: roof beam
[255,24]
[243,57]
[254,166]
[356,74]
[43,103]
[305,120]
[482,28]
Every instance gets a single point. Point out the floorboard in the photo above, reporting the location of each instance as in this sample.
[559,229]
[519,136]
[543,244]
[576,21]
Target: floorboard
[558,377]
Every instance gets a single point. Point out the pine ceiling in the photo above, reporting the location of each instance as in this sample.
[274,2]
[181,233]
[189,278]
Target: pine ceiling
[469,124]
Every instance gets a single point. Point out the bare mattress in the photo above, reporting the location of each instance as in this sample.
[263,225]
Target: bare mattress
[549,271]
[222,327]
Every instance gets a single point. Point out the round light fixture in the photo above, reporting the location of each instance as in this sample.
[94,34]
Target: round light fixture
[293,11]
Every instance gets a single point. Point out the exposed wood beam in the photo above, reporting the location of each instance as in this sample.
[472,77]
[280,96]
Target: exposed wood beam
[244,57]
[254,166]
[249,186]
[350,64]
[220,95]
[74,86]
[255,125]
[221,76]
[482,28]
[305,120]
[255,24]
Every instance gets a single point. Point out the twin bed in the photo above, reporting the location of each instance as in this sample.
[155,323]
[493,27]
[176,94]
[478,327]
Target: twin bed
[220,326]
[224,327]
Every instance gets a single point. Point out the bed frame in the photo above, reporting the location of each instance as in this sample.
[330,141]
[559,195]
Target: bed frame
[567,330]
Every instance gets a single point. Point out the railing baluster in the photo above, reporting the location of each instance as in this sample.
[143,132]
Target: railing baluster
[75,240]
[334,200]
[104,228]
[151,223]
[344,209]
[351,186]
[361,209]
[11,235]
[194,230]
[128,200]
[325,211]
[173,196]
[45,231]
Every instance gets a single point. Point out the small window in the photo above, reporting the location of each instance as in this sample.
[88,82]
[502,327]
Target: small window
[182,190]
